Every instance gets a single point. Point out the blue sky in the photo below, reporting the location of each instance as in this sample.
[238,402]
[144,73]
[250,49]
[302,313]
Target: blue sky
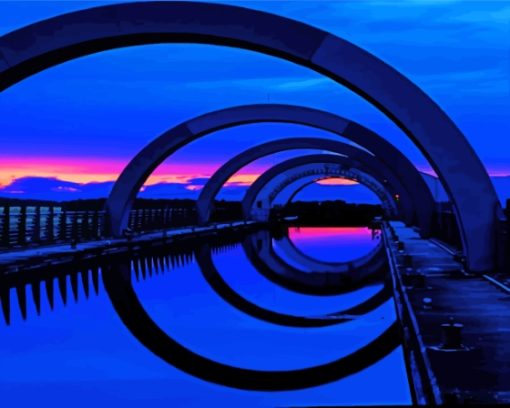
[82,121]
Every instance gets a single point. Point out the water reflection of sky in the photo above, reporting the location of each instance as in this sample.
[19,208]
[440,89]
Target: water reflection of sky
[81,354]
[333,244]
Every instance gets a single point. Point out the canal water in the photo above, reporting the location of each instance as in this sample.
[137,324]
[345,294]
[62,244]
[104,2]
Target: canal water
[81,354]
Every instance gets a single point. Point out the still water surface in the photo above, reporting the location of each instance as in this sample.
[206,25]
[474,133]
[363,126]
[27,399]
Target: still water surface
[82,355]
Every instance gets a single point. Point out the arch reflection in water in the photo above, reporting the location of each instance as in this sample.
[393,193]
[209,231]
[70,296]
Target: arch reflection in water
[350,276]
[286,247]
[119,286]
[149,263]
[221,287]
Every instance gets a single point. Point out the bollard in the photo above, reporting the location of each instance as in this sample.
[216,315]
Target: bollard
[408,261]
[400,246]
[415,280]
[452,336]
[427,303]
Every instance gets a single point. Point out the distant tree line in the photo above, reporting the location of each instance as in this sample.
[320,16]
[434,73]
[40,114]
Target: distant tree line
[334,212]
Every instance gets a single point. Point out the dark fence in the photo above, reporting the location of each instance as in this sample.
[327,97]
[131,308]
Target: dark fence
[446,229]
[505,240]
[445,225]
[23,225]
[330,213]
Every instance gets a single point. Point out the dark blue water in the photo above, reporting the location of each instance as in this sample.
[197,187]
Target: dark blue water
[81,354]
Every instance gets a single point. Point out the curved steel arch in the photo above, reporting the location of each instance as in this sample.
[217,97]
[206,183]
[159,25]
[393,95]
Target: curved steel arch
[39,46]
[301,179]
[301,167]
[385,192]
[305,184]
[377,166]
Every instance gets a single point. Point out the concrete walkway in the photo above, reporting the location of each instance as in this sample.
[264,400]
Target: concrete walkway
[456,325]
[28,258]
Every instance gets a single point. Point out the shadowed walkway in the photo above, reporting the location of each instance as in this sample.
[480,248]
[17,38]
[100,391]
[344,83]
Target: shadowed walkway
[455,324]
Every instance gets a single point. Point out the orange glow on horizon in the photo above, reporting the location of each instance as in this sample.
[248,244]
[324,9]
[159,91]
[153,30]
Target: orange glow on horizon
[88,170]
[304,233]
[84,170]
[337,182]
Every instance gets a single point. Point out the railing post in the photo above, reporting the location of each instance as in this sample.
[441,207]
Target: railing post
[161,218]
[36,232]
[136,219]
[154,216]
[22,225]
[170,216]
[131,219]
[95,224]
[50,235]
[150,219]
[85,226]
[102,224]
[62,225]
[6,230]
[74,230]
[166,217]
[145,215]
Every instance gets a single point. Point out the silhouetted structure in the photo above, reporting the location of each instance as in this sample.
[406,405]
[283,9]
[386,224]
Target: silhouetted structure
[35,222]
[428,278]
[327,213]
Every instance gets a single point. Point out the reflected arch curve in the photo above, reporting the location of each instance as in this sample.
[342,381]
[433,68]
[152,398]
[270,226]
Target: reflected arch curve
[220,286]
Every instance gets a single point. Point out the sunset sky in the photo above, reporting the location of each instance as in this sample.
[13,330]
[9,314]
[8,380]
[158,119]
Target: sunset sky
[82,121]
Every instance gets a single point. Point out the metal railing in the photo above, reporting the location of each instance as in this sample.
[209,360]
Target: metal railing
[34,225]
